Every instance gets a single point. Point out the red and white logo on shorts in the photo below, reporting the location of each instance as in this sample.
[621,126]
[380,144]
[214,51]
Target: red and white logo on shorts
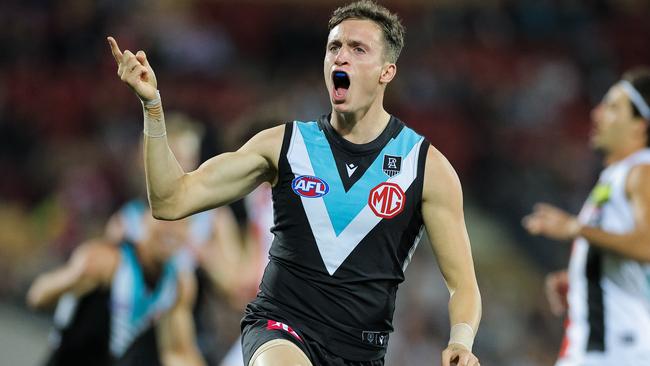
[275,325]
[387,200]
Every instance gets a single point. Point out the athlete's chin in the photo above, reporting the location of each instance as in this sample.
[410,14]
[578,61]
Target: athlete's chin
[596,142]
[599,147]
[341,106]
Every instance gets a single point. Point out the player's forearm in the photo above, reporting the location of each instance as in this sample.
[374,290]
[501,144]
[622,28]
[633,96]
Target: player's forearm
[162,170]
[192,358]
[465,306]
[39,296]
[178,344]
[176,333]
[464,315]
[634,245]
[48,287]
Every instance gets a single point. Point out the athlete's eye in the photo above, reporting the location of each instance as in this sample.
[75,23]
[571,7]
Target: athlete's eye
[333,48]
[359,50]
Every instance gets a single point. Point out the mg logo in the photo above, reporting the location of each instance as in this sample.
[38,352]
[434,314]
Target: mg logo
[387,200]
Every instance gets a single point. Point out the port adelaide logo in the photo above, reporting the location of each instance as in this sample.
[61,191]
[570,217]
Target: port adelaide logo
[392,165]
[310,186]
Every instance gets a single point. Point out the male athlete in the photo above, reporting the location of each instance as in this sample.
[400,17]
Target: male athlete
[608,277]
[351,191]
[122,305]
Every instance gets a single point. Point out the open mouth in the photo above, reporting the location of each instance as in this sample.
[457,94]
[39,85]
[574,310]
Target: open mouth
[341,82]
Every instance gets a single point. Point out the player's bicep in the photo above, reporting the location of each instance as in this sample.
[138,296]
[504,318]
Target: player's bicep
[638,187]
[223,179]
[230,176]
[442,211]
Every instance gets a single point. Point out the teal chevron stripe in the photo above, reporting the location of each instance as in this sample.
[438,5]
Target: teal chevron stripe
[343,207]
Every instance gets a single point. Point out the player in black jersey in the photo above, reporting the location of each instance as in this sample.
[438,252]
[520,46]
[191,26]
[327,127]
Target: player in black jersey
[126,305]
[352,191]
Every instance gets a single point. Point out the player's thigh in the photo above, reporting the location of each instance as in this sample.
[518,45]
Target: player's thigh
[279,352]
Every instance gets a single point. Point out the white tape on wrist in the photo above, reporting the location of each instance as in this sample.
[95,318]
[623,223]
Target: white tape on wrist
[463,334]
[154,121]
[151,103]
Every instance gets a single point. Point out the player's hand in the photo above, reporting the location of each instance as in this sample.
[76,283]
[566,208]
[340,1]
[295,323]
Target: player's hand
[552,222]
[135,71]
[457,355]
[557,286]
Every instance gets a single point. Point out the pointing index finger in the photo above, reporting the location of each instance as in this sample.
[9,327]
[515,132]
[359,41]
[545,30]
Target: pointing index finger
[115,49]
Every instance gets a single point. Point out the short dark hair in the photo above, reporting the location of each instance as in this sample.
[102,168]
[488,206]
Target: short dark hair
[389,23]
[639,77]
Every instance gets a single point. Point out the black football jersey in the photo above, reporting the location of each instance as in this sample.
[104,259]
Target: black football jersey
[347,221]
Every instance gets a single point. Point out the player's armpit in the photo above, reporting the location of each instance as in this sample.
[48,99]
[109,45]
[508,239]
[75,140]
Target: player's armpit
[222,179]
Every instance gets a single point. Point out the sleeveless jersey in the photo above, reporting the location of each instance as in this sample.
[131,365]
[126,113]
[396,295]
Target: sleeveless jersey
[609,295]
[114,326]
[347,221]
[81,330]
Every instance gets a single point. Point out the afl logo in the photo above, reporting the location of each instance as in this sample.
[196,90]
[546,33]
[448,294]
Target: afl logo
[310,186]
[387,200]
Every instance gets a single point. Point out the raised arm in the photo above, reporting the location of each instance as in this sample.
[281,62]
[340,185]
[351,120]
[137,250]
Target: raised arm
[442,209]
[90,266]
[173,193]
[176,334]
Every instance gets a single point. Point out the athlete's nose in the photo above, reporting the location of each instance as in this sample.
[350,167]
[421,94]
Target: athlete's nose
[341,57]
[596,112]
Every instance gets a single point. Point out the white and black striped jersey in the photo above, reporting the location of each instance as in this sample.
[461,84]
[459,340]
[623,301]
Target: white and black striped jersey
[609,295]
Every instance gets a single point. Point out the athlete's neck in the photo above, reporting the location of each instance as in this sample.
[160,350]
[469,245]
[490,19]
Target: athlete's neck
[614,156]
[150,265]
[362,126]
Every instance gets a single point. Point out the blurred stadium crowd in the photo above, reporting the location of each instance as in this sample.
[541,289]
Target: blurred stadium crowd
[502,87]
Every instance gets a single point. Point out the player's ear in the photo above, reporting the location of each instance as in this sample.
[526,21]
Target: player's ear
[387,73]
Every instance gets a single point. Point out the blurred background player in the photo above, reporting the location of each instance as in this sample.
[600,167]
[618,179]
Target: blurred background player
[608,280]
[206,228]
[214,247]
[259,211]
[125,304]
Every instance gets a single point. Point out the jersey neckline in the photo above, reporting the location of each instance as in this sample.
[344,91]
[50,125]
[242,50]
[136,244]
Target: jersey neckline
[393,126]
